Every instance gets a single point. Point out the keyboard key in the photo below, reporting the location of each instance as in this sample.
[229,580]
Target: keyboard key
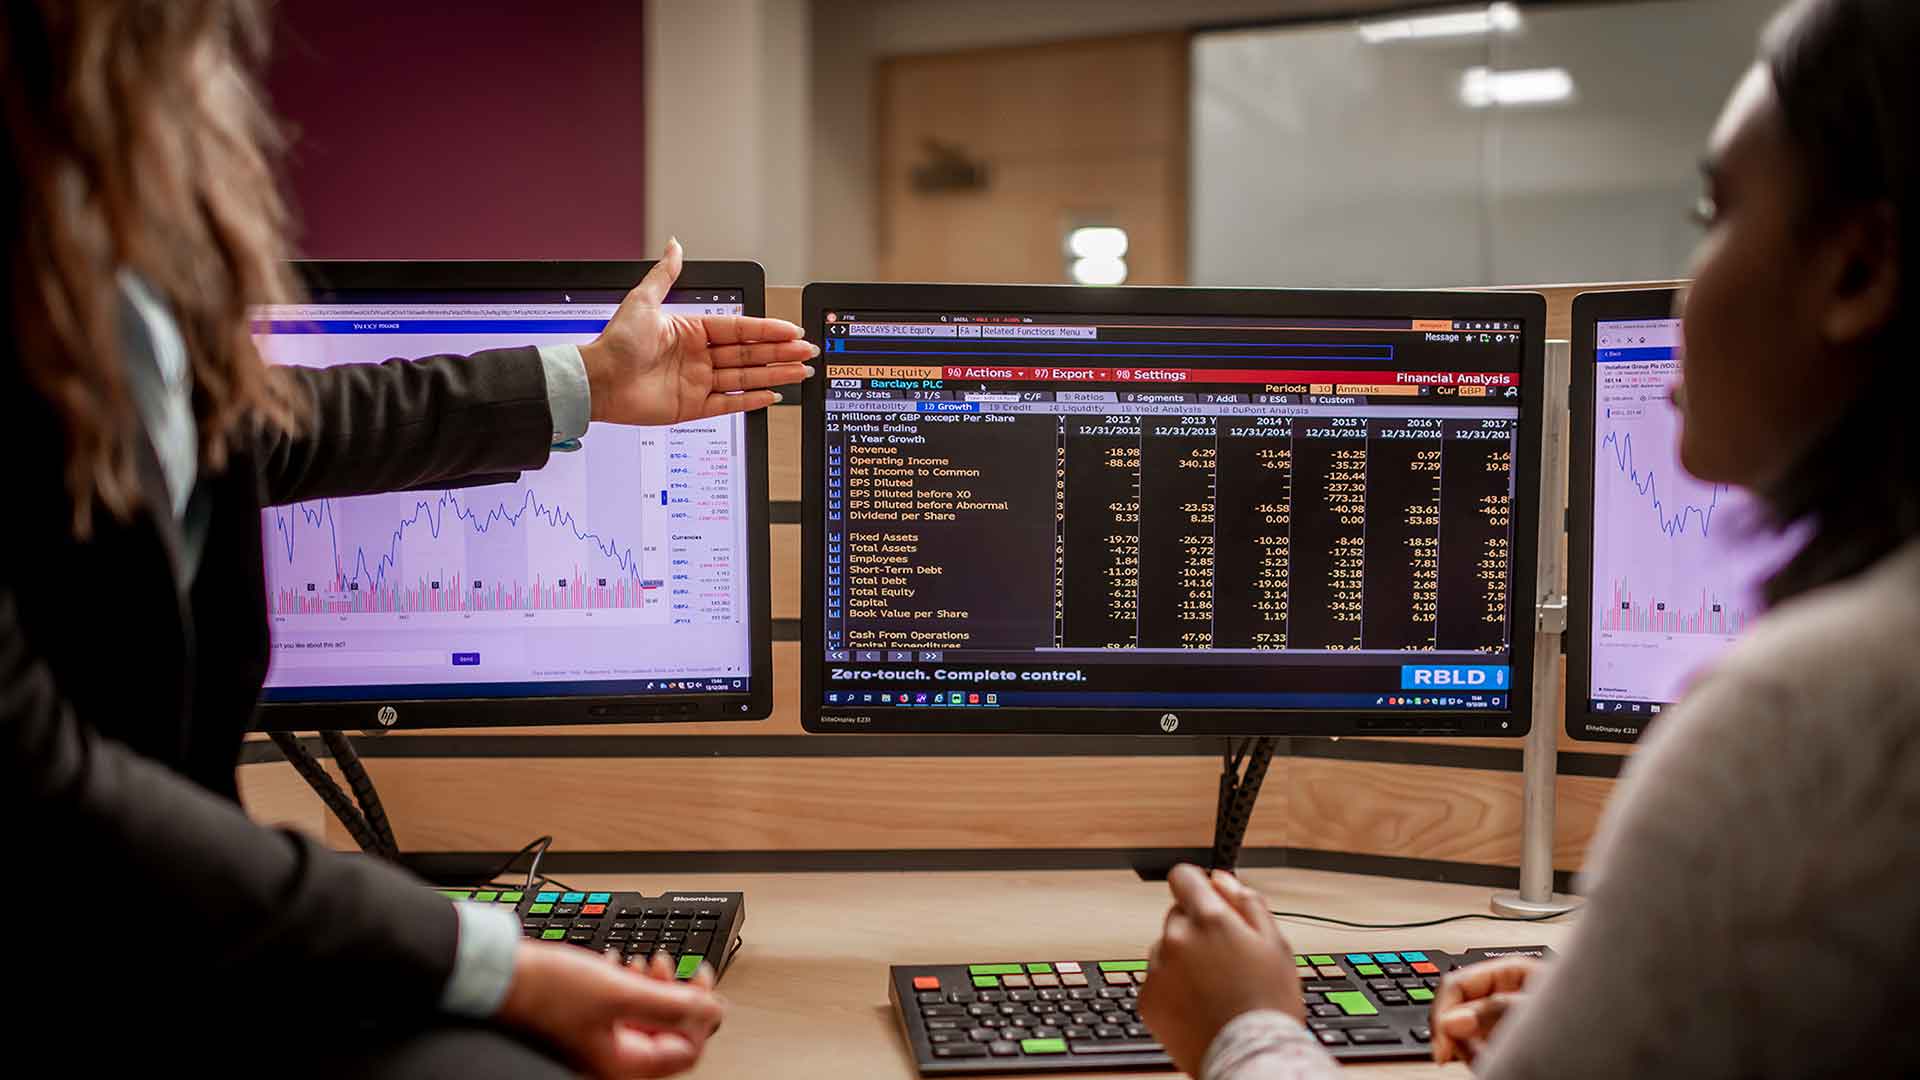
[540,909]
[1044,1032]
[1043,1046]
[1393,997]
[943,1011]
[1039,969]
[599,897]
[960,997]
[689,965]
[946,1025]
[1359,958]
[1004,1048]
[553,935]
[960,1050]
[1413,957]
[1024,997]
[1090,1046]
[1331,971]
[566,911]
[1051,995]
[1332,1037]
[1109,1031]
[1320,959]
[985,981]
[1421,1034]
[983,1010]
[1066,967]
[995,969]
[593,909]
[941,1038]
[1019,981]
[926,982]
[573,897]
[983,1034]
[1313,999]
[1083,994]
[994,997]
[1123,965]
[1373,1036]
[1396,970]
[1352,1003]
[1080,1031]
[1420,994]
[1386,958]
[1073,979]
[1367,969]
[1425,968]
[1046,980]
[1325,1010]
[546,897]
[1138,1031]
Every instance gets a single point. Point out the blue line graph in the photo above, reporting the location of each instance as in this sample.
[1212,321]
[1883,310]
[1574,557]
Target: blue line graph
[1676,524]
[433,511]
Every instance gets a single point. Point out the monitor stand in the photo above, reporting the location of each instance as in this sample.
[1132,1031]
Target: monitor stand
[1243,768]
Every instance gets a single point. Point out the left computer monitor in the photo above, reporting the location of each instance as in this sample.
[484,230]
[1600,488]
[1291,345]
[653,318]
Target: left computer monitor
[623,582]
[1665,571]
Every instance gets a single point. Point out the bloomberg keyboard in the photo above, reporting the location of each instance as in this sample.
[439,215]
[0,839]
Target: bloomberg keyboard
[691,928]
[1062,1015]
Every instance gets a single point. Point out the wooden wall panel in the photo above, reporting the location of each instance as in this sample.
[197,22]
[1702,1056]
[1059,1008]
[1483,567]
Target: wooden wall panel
[1080,133]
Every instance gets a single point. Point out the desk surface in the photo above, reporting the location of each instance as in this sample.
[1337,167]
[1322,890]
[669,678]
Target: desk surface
[808,991]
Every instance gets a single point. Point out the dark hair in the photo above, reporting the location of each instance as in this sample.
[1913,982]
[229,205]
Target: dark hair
[1847,76]
[136,139]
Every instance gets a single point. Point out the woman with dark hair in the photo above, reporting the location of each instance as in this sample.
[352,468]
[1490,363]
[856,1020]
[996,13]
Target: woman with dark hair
[151,920]
[1754,894]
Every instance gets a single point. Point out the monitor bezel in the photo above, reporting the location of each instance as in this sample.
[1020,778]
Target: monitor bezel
[323,276]
[1590,309]
[1529,309]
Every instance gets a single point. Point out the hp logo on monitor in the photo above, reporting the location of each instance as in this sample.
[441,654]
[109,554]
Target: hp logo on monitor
[388,715]
[1170,723]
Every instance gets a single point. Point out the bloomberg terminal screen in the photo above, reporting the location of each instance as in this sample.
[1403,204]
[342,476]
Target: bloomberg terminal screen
[1032,511]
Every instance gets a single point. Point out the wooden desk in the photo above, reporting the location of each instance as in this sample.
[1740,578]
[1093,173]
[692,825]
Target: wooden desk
[808,990]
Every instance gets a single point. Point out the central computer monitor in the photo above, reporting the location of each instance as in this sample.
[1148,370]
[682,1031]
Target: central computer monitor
[1170,511]
[625,581]
[1665,571]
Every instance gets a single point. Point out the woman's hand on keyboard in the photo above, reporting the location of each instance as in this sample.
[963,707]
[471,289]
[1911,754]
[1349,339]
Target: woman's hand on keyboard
[1220,954]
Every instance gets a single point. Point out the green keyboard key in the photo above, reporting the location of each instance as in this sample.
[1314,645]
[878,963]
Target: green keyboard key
[512,897]
[485,897]
[996,969]
[540,909]
[1039,969]
[1367,969]
[1299,961]
[1123,965]
[985,982]
[557,934]
[1321,960]
[1352,1003]
[456,894]
[1421,994]
[1043,1046]
[689,966]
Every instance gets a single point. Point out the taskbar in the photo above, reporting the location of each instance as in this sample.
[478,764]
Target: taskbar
[1612,707]
[1027,699]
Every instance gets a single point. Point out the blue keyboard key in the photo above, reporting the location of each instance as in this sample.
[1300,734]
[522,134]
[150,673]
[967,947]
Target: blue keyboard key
[599,897]
[547,898]
[1359,958]
[1415,957]
[1386,958]
[573,897]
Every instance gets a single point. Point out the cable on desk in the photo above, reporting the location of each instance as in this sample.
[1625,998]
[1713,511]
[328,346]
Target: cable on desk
[364,793]
[1429,922]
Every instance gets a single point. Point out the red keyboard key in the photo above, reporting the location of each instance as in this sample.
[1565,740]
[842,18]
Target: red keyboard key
[926,982]
[594,909]
[1424,968]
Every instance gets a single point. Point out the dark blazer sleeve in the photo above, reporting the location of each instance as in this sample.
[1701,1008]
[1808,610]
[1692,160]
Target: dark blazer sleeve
[249,917]
[408,423]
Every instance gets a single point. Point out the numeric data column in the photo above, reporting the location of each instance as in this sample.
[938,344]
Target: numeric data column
[1254,500]
[1329,533]
[1100,605]
[1403,534]
[1176,535]
[1476,534]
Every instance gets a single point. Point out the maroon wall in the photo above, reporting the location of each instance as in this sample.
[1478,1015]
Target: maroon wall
[493,129]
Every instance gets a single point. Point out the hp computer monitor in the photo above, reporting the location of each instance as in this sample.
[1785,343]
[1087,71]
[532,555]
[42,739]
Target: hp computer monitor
[1664,571]
[1180,511]
[625,581]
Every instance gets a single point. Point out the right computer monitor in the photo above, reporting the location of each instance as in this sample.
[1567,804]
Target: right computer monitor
[1179,511]
[1665,571]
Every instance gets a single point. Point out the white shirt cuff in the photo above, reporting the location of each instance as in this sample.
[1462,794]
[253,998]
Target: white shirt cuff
[488,942]
[1266,1044]
[568,396]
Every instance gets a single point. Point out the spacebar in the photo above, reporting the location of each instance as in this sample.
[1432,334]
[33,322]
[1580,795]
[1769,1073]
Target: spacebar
[1094,1046]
